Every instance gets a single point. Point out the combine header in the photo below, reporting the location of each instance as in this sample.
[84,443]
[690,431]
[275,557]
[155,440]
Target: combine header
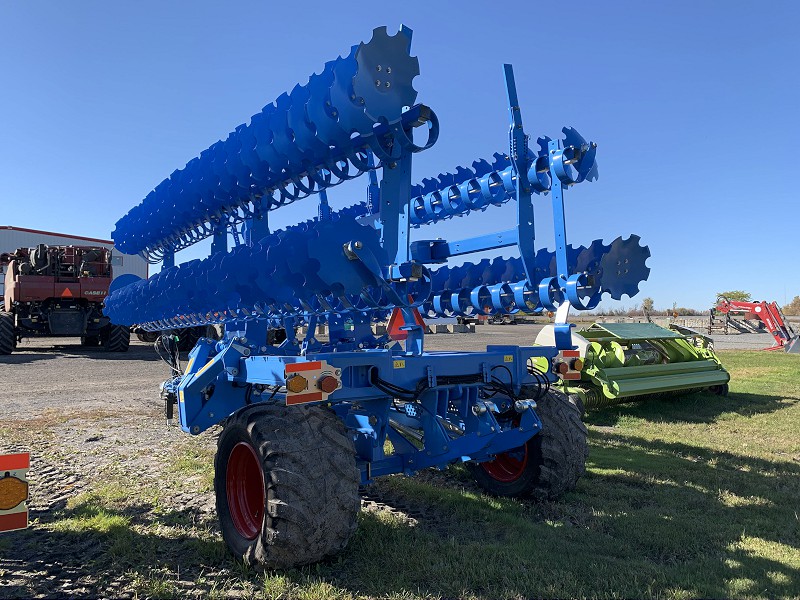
[625,362]
[306,421]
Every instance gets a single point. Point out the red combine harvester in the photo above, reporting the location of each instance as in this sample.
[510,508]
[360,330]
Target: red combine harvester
[741,316]
[58,291]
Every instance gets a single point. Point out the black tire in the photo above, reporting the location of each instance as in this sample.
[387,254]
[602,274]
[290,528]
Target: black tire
[90,341]
[188,337]
[215,332]
[148,337]
[576,400]
[117,338]
[304,505]
[719,390]
[8,337]
[550,464]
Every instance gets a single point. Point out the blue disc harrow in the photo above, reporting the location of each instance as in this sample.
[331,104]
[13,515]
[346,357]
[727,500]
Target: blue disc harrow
[347,269]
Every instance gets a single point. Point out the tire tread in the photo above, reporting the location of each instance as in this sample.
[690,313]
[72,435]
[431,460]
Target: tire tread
[117,338]
[312,481]
[8,337]
[556,456]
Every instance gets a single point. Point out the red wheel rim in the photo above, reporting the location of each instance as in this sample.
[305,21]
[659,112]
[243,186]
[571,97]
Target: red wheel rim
[509,466]
[244,486]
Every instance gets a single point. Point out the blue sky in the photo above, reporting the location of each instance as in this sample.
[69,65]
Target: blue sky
[694,106]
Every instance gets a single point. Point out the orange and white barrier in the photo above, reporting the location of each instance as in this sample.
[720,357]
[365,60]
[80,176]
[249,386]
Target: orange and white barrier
[14,491]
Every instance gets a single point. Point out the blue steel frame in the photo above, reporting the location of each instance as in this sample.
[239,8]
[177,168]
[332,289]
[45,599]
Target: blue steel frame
[451,419]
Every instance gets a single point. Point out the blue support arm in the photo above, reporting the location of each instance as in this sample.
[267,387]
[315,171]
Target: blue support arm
[521,161]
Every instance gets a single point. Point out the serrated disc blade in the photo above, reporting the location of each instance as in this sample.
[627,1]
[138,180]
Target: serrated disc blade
[385,74]
[623,267]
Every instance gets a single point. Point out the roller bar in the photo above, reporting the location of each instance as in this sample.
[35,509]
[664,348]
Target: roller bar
[493,184]
[315,268]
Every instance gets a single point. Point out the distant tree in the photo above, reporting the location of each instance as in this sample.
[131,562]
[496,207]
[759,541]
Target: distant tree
[738,295]
[648,304]
[793,308]
[682,311]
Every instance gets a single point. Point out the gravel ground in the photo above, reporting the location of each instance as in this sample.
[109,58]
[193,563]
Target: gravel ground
[89,417]
[526,334]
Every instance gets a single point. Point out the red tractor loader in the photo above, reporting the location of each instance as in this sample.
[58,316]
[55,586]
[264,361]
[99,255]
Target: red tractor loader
[740,315]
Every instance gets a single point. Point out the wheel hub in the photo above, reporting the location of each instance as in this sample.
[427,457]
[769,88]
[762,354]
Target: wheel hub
[508,466]
[244,486]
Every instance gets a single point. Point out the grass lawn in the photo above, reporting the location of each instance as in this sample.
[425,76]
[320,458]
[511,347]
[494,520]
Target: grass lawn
[696,496]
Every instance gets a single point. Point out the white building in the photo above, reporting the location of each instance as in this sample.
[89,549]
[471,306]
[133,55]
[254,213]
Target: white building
[12,238]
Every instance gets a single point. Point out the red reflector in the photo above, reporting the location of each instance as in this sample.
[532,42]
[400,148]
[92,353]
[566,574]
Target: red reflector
[14,521]
[67,293]
[303,366]
[303,398]
[571,353]
[13,462]
[396,321]
[328,384]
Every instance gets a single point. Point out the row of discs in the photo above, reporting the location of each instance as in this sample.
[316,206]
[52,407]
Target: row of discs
[303,134]
[303,269]
[501,285]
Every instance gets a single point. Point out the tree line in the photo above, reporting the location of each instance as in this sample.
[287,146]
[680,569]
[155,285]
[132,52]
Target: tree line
[647,307]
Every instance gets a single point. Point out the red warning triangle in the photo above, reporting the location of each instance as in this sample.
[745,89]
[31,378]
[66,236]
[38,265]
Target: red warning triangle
[396,321]
[66,293]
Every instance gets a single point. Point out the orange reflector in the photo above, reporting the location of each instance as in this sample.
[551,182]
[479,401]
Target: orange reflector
[569,369]
[13,492]
[296,384]
[67,293]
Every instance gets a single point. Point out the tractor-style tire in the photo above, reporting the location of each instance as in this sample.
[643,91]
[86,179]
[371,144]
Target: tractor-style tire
[286,484]
[90,341]
[117,338]
[215,332]
[8,337]
[576,400]
[549,464]
[148,337]
[719,390]
[187,338]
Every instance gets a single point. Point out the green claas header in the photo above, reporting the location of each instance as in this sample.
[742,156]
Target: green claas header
[623,362]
